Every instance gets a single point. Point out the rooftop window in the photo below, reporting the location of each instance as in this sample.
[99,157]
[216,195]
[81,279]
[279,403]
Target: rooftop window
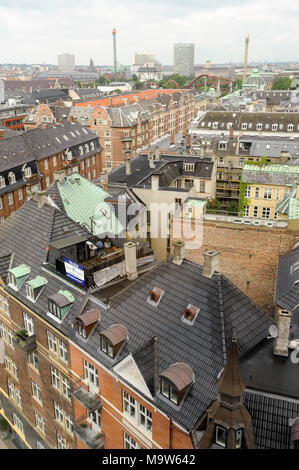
[11,177]
[2,182]
[59,304]
[17,276]
[112,339]
[175,380]
[86,322]
[34,287]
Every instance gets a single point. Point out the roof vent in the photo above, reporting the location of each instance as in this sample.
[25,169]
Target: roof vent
[190,314]
[155,296]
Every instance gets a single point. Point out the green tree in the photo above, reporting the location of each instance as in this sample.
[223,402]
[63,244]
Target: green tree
[213,204]
[138,85]
[134,78]
[281,83]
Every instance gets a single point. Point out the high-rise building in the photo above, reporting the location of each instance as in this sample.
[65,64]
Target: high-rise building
[142,58]
[183,59]
[66,63]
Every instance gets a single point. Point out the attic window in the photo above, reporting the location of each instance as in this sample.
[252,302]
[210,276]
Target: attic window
[87,321]
[290,127]
[175,380]
[17,276]
[27,172]
[34,287]
[259,127]
[112,339]
[11,177]
[59,304]
[155,296]
[190,314]
[2,182]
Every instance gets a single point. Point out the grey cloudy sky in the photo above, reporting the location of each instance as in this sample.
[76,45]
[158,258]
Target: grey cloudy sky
[36,31]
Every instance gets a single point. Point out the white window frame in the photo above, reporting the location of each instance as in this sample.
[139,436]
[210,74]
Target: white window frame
[129,442]
[266,212]
[267,193]
[36,392]
[40,422]
[247,191]
[18,423]
[10,199]
[28,324]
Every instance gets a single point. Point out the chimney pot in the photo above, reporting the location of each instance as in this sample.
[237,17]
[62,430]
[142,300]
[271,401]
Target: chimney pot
[42,198]
[59,175]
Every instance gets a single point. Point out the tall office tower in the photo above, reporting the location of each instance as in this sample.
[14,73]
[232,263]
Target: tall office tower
[141,58]
[183,59]
[114,54]
[66,63]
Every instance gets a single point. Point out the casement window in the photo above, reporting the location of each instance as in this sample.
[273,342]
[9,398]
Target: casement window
[267,193]
[54,309]
[36,392]
[129,405]
[221,436]
[39,445]
[277,194]
[28,324]
[11,390]
[286,193]
[61,383]
[274,127]
[290,127]
[52,342]
[259,127]
[266,213]
[2,182]
[68,423]
[94,174]
[63,418]
[82,165]
[81,330]
[11,178]
[46,165]
[33,360]
[189,166]
[169,390]
[145,418]
[54,160]
[247,191]
[10,338]
[2,331]
[10,199]
[61,442]
[93,160]
[1,204]
[257,192]
[58,412]
[255,211]
[27,172]
[18,398]
[129,443]
[246,211]
[47,181]
[55,378]
[39,422]
[62,350]
[6,306]
[18,423]
[137,412]
[11,366]
[91,373]
[202,186]
[57,347]
[20,194]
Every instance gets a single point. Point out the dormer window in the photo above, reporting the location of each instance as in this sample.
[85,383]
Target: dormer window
[59,304]
[244,126]
[274,127]
[34,287]
[155,296]
[189,166]
[215,125]
[175,380]
[81,150]
[112,339]
[11,177]
[16,276]
[221,436]
[290,127]
[87,321]
[259,127]
[27,172]
[229,125]
[2,182]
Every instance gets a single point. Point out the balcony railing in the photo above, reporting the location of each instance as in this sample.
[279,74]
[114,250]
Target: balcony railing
[90,401]
[24,341]
[92,439]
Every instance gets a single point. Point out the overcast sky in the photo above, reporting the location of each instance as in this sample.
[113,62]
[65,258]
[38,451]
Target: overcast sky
[36,31]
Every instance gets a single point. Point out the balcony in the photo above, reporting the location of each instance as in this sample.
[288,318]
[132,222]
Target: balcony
[90,401]
[92,439]
[126,139]
[24,341]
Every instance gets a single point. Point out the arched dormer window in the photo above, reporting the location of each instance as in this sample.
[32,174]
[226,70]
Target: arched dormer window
[87,321]
[290,127]
[112,339]
[11,177]
[175,380]
[27,172]
[2,182]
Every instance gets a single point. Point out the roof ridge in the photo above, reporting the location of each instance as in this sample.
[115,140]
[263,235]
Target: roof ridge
[221,312]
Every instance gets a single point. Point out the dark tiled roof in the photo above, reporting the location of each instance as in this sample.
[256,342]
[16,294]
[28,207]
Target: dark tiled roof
[286,293]
[4,265]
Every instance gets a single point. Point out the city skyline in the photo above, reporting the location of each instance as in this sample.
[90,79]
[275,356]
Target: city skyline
[217,30]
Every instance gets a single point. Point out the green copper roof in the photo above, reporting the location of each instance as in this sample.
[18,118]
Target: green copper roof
[84,200]
[67,294]
[38,281]
[196,202]
[20,271]
[274,168]
[283,206]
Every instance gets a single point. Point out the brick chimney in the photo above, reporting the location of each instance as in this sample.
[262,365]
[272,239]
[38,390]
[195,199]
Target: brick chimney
[103,180]
[172,138]
[231,132]
[42,198]
[59,175]
[131,260]
[211,263]
[282,340]
[188,141]
[72,119]
[128,166]
[157,154]
[178,252]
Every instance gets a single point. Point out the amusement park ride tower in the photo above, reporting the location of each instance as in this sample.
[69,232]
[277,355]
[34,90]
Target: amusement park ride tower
[245,57]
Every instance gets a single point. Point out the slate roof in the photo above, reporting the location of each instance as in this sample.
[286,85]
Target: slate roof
[286,288]
[169,167]
[41,143]
[223,309]
[278,175]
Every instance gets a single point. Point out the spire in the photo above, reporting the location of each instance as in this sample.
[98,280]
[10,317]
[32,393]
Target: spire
[231,383]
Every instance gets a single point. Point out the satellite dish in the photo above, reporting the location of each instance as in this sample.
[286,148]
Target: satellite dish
[273,331]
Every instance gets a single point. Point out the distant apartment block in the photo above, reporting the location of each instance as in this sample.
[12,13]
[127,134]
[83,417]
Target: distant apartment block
[66,62]
[183,59]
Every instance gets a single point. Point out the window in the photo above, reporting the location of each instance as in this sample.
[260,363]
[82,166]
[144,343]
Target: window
[2,182]
[290,127]
[54,309]
[46,165]
[189,166]
[6,306]
[63,418]
[129,443]
[27,172]
[55,378]
[266,213]
[274,127]
[17,422]
[39,445]
[82,165]
[61,442]
[36,392]
[10,199]
[91,373]
[255,211]
[259,127]
[11,366]
[1,204]
[247,191]
[244,126]
[66,388]
[68,423]
[257,192]
[33,360]
[2,331]
[29,292]
[11,390]
[52,343]
[28,324]
[81,330]
[61,383]
[129,405]
[10,338]
[47,181]
[202,186]
[18,398]
[58,412]
[286,193]
[145,418]
[238,438]
[267,193]
[221,436]
[20,194]
[246,211]
[39,421]
[62,350]
[54,160]
[169,390]
[188,183]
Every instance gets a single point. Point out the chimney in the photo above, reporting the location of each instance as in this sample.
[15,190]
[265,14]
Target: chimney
[128,166]
[59,175]
[131,260]
[188,141]
[231,132]
[238,144]
[42,198]
[178,252]
[72,119]
[157,154]
[282,340]
[211,263]
[155,182]
[103,180]
[172,138]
